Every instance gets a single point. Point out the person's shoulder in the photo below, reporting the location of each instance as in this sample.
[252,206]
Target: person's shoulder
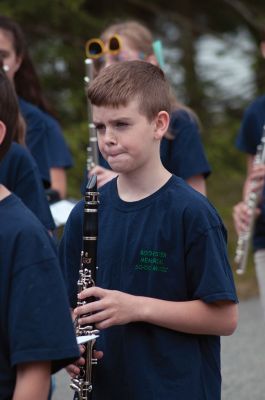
[18,151]
[30,110]
[19,218]
[17,162]
[107,187]
[15,152]
[51,122]
[192,203]
[107,191]
[256,105]
[181,189]
[28,107]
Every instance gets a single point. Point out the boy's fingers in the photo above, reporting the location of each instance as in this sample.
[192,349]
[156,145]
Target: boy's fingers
[98,354]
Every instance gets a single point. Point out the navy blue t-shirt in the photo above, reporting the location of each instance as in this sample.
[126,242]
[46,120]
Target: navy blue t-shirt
[36,138]
[20,174]
[183,155]
[248,139]
[172,246]
[59,154]
[35,322]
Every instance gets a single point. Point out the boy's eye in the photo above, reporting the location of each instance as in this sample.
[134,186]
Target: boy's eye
[100,127]
[121,124]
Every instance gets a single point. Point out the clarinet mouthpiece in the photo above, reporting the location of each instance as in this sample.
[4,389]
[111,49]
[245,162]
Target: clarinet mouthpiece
[92,184]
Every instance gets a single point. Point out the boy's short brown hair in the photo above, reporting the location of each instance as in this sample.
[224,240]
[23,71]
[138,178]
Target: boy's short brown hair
[120,83]
[9,111]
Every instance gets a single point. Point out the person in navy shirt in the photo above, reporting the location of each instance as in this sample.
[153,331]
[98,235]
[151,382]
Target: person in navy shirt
[182,152]
[20,174]
[248,139]
[37,335]
[44,137]
[164,288]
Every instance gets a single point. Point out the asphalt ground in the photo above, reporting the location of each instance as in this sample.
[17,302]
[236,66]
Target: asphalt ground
[243,359]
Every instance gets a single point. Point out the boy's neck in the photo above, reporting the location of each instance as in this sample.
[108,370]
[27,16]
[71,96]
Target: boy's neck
[134,187]
[4,192]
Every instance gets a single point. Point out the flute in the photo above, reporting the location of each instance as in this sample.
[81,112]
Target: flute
[252,200]
[92,148]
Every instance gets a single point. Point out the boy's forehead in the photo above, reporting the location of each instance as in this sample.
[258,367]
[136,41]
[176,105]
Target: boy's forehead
[116,112]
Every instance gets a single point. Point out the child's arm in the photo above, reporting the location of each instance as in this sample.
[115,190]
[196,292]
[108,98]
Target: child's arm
[59,181]
[195,317]
[33,381]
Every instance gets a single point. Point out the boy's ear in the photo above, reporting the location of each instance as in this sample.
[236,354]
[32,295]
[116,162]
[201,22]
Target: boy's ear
[162,122]
[2,131]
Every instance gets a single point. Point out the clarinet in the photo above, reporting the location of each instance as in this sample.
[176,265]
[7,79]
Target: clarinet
[92,148]
[82,384]
[252,200]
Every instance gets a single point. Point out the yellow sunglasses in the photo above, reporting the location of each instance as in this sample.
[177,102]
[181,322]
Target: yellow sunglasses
[96,48]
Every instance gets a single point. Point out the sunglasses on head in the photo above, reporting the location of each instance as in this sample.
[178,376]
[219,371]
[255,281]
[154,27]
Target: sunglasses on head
[96,48]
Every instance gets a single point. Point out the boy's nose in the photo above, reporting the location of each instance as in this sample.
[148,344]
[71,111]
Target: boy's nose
[110,137]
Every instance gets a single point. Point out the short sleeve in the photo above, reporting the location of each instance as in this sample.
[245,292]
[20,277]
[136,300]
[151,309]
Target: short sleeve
[59,153]
[208,270]
[20,174]
[40,325]
[36,138]
[30,189]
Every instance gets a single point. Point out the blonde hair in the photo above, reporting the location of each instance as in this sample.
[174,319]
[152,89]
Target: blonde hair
[139,36]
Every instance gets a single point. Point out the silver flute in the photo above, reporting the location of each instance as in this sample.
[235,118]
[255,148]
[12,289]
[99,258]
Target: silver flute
[82,383]
[252,200]
[92,148]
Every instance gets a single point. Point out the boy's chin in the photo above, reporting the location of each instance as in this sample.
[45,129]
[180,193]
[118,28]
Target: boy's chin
[120,169]
[119,166]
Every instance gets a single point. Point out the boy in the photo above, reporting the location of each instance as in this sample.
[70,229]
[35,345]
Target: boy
[36,330]
[181,148]
[164,290]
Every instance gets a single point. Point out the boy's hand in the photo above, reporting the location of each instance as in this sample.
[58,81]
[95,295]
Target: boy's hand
[103,175]
[74,369]
[111,308]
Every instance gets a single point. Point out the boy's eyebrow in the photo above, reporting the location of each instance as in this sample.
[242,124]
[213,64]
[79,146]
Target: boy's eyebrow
[113,120]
